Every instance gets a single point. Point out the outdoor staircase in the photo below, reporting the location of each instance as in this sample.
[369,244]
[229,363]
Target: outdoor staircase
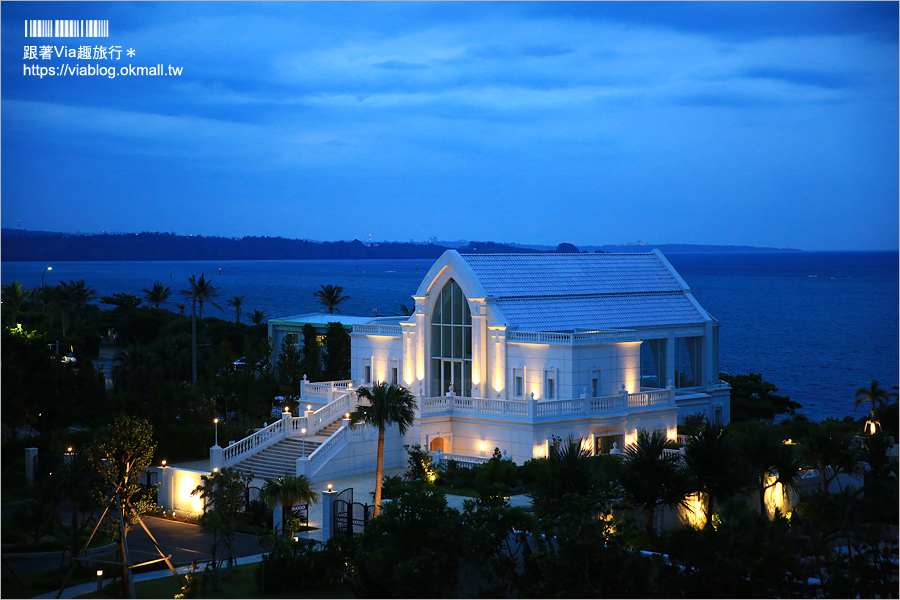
[280,459]
[277,460]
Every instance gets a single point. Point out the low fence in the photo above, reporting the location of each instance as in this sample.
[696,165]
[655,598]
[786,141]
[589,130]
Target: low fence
[531,410]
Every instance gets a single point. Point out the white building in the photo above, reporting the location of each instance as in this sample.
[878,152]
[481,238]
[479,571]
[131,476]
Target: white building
[510,351]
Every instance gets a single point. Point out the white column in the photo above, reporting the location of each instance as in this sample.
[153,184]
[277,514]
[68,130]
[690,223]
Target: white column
[328,498]
[216,457]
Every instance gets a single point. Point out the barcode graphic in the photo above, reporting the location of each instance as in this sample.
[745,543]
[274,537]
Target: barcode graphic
[66,28]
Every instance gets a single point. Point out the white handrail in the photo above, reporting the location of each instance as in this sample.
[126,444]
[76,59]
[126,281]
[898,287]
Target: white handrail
[571,339]
[254,442]
[341,438]
[384,330]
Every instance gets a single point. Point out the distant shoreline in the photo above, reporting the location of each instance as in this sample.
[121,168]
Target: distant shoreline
[25,246]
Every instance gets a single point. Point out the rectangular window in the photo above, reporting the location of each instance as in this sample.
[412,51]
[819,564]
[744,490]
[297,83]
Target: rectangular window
[653,363]
[394,375]
[595,386]
[718,417]
[550,385]
[689,362]
[518,383]
[367,372]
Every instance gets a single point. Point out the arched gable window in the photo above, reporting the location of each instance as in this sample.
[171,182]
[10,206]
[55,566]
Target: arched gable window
[451,342]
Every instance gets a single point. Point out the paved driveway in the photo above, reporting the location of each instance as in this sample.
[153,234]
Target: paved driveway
[185,542]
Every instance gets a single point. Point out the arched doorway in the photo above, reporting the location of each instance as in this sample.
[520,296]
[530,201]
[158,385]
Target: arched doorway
[438,444]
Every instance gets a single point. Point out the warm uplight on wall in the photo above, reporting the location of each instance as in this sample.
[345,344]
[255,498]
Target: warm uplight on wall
[185,487]
[483,446]
[694,511]
[538,451]
[672,435]
[629,439]
[475,378]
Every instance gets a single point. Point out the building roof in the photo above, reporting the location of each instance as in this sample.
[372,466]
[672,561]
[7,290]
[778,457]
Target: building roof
[321,320]
[566,292]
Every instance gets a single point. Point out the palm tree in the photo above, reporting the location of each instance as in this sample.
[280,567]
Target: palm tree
[767,454]
[257,316]
[874,394]
[200,291]
[236,302]
[829,450]
[388,404]
[288,491]
[70,299]
[652,478]
[330,296]
[714,466]
[14,297]
[157,295]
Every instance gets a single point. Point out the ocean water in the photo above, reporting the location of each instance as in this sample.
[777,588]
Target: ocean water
[819,325]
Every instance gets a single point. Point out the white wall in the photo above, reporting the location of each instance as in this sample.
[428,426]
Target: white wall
[381,352]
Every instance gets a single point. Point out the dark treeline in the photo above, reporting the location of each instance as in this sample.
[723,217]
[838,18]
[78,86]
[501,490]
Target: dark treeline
[18,245]
[32,246]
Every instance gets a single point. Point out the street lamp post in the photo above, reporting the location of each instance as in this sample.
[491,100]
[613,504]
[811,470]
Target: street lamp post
[216,421]
[44,272]
[303,433]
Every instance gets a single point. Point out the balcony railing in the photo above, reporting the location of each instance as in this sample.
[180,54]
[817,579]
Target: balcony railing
[548,410]
[572,339]
[385,330]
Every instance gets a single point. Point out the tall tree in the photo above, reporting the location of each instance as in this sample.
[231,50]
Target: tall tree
[311,364]
[223,494]
[337,353]
[236,303]
[652,477]
[257,317]
[771,460]
[290,369]
[330,296]
[158,294]
[70,300]
[873,394]
[288,491]
[14,297]
[386,405]
[125,302]
[121,454]
[714,466]
[201,291]
[827,448]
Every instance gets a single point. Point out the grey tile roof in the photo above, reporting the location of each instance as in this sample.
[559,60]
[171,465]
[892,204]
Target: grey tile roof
[563,292]
[513,275]
[609,311]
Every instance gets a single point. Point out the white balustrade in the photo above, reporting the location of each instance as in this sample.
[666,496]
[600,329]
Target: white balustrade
[463,460]
[572,339]
[517,410]
[341,438]
[254,442]
[383,330]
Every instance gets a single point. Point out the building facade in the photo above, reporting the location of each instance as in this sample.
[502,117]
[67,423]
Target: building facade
[516,351]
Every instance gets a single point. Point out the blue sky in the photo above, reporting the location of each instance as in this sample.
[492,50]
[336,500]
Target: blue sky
[768,124]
